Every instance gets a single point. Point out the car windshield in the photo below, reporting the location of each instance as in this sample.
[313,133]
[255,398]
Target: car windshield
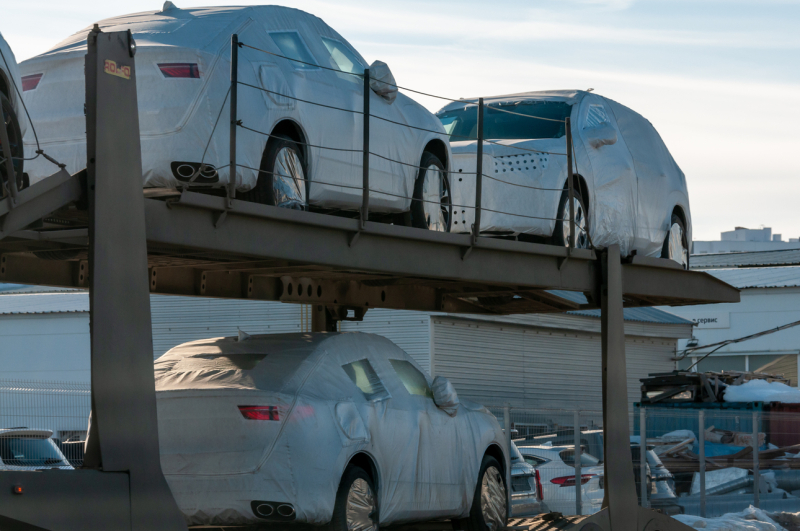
[498,125]
[345,59]
[22,451]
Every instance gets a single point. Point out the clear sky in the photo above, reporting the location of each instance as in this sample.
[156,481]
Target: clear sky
[720,80]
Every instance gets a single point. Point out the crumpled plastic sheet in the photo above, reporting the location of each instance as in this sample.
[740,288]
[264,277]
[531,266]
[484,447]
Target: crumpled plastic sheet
[445,395]
[634,183]
[751,519]
[216,462]
[176,125]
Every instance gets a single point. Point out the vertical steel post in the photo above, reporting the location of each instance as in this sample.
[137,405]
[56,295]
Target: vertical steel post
[756,471]
[234,91]
[365,154]
[643,455]
[9,161]
[702,442]
[578,470]
[569,186]
[507,428]
[476,227]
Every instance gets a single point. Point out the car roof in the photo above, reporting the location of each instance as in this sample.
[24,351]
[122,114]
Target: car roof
[202,28]
[25,432]
[570,96]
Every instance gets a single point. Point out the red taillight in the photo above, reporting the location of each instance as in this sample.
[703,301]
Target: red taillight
[539,489]
[189,70]
[569,481]
[260,412]
[31,82]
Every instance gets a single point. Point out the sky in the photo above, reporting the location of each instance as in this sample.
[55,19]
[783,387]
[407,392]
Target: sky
[719,80]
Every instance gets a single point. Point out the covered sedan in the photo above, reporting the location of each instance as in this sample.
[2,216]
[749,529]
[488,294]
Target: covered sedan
[629,189]
[339,427]
[13,120]
[300,99]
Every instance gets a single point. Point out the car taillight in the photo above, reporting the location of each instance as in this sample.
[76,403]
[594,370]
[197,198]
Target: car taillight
[539,489]
[260,412]
[189,70]
[31,82]
[569,481]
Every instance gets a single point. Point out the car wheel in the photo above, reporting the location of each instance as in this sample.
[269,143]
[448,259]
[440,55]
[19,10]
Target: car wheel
[11,123]
[489,504]
[676,245]
[282,179]
[562,229]
[356,507]
[431,207]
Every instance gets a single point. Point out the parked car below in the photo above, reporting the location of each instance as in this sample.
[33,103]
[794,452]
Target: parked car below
[323,428]
[556,467]
[526,487]
[27,449]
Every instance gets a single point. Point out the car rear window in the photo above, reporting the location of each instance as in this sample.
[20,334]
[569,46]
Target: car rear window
[499,125]
[26,451]
[366,379]
[568,456]
[413,380]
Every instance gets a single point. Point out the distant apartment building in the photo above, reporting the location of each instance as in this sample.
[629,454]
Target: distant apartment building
[741,240]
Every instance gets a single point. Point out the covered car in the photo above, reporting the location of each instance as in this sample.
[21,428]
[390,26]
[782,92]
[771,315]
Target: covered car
[30,449]
[526,487]
[14,121]
[323,427]
[628,189]
[300,101]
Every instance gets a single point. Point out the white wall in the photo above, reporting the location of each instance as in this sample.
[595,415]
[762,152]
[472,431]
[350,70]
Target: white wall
[45,347]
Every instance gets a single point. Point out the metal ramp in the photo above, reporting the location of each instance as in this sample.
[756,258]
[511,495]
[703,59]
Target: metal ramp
[101,232]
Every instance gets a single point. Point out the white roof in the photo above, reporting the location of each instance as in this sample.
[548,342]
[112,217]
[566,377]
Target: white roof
[41,303]
[759,277]
[745,259]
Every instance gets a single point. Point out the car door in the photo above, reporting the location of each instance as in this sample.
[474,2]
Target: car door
[439,449]
[613,205]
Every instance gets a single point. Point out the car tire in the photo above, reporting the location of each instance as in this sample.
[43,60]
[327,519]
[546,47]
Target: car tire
[676,233]
[356,506]
[561,230]
[284,154]
[487,516]
[424,213]
[11,123]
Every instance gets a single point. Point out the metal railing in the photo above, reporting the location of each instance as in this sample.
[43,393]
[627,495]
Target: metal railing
[445,202]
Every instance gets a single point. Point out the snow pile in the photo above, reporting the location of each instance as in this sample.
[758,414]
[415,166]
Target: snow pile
[751,519]
[762,391]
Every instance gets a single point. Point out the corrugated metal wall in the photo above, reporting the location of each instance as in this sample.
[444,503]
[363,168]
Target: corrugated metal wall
[407,329]
[535,367]
[177,320]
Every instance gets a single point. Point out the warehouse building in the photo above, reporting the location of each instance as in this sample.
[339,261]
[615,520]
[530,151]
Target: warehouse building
[536,361]
[770,284]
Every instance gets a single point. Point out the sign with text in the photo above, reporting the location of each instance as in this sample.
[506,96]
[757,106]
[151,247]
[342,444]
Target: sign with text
[709,319]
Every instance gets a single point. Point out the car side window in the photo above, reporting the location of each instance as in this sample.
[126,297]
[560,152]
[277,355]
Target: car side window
[413,380]
[534,461]
[292,46]
[595,115]
[366,379]
[343,57]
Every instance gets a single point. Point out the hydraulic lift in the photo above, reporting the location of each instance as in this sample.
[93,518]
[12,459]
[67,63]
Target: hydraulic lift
[98,230]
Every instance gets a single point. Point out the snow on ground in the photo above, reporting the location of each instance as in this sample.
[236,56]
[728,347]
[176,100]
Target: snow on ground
[762,391]
[751,519]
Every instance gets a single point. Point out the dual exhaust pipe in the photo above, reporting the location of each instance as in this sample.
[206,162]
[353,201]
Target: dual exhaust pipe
[273,510]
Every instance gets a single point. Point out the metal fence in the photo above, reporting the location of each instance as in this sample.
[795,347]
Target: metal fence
[41,423]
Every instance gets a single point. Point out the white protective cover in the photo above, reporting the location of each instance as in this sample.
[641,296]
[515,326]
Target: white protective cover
[177,115]
[8,65]
[762,391]
[216,461]
[633,182]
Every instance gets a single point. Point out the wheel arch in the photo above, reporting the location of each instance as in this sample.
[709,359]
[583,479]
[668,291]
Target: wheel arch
[367,463]
[581,186]
[679,211]
[293,130]
[438,148]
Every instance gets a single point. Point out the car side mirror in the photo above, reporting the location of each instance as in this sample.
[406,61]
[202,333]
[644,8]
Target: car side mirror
[382,81]
[445,396]
[601,135]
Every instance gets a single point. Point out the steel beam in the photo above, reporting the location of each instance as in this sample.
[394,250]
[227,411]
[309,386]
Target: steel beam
[39,200]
